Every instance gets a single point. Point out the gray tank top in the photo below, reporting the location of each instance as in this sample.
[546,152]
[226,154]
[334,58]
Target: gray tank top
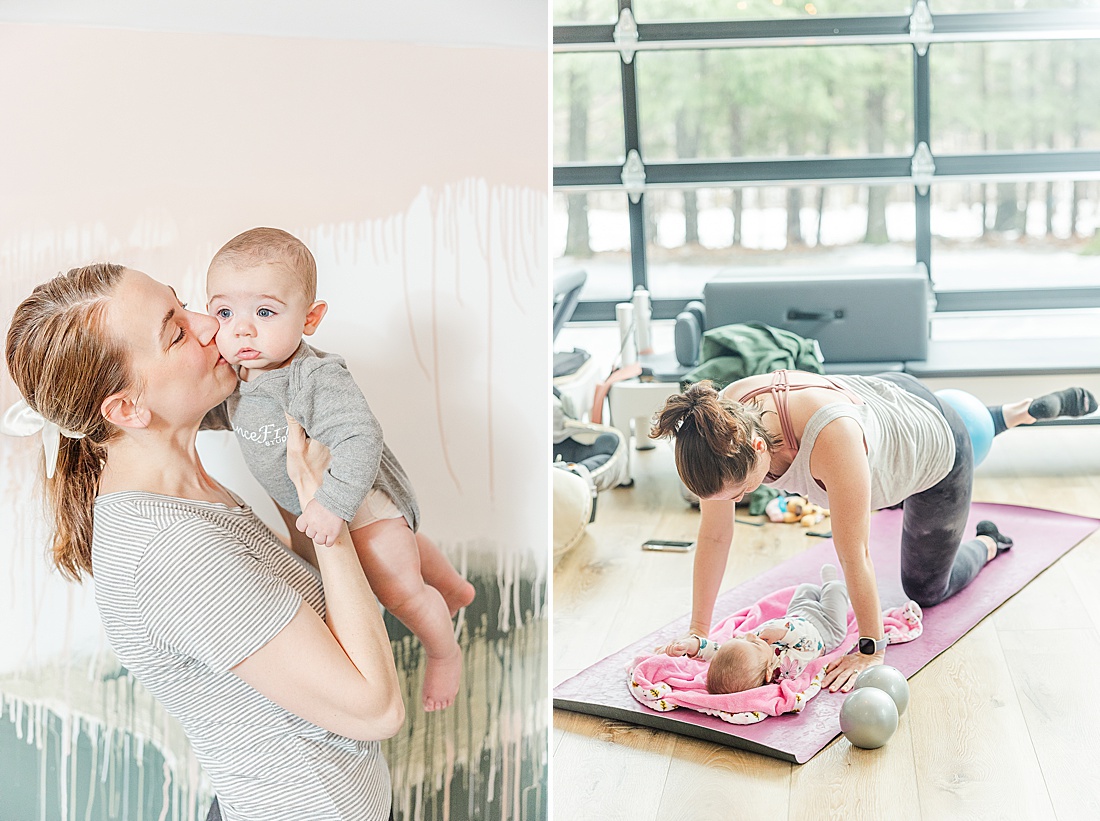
[910,446]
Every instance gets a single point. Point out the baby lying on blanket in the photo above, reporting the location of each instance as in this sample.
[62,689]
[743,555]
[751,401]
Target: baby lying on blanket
[668,682]
[816,622]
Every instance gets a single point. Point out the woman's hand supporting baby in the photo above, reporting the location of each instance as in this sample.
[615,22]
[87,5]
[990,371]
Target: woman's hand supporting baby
[305,467]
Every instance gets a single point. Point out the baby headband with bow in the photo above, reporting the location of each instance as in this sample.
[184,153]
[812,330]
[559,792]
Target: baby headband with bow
[22,420]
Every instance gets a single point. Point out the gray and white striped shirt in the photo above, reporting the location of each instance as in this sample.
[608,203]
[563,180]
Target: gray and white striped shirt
[187,590]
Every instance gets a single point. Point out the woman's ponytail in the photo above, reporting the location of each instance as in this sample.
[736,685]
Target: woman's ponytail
[65,362]
[713,437]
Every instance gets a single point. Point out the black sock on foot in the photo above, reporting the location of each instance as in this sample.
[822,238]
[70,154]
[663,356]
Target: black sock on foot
[987,528]
[1070,402]
[998,415]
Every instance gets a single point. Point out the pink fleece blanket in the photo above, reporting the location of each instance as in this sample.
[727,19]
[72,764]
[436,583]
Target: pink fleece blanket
[664,683]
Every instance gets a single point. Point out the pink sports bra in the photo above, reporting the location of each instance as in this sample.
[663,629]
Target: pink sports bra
[780,388]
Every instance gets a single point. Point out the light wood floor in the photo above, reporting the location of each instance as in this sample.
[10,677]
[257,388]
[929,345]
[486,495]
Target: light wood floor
[1004,724]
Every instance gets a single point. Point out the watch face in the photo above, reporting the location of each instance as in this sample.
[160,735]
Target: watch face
[867,646]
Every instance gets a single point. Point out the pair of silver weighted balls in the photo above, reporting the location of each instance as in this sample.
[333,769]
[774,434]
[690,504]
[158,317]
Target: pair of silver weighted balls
[869,715]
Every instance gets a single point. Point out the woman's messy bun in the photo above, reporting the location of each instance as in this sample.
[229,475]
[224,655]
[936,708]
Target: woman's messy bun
[713,437]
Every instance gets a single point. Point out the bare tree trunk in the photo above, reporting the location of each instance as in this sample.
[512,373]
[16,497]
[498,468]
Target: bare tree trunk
[984,85]
[577,241]
[821,192]
[794,221]
[687,146]
[1078,188]
[1050,209]
[1022,226]
[820,214]
[876,143]
[654,205]
[1074,211]
[1007,217]
[984,194]
[738,209]
[736,143]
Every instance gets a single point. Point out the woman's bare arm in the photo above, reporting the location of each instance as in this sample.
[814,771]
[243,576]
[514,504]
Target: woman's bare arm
[338,673]
[712,550]
[839,461]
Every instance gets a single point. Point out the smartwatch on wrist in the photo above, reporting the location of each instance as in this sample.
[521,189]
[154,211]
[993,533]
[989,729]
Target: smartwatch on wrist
[869,646]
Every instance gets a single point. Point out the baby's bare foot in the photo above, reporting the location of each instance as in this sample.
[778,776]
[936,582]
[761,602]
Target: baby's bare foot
[458,596]
[441,679]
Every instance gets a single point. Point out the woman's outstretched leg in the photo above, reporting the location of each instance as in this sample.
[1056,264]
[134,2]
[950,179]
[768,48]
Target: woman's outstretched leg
[1071,402]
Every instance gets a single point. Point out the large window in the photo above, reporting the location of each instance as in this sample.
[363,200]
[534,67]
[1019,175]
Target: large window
[697,136]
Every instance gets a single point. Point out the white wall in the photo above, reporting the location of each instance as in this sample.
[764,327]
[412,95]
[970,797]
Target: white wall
[520,23]
[416,172]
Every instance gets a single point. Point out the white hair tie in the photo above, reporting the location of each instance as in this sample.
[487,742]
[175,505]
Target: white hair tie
[22,420]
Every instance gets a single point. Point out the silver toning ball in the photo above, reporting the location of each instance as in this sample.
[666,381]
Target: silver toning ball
[868,718]
[888,679]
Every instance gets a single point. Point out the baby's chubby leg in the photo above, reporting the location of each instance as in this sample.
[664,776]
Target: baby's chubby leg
[438,572]
[390,557]
[834,604]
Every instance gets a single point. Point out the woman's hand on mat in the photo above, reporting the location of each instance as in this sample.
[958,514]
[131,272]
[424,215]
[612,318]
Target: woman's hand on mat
[842,673]
[685,646]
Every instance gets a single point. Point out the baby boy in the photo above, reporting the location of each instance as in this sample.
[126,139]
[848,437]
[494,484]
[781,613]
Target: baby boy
[262,287]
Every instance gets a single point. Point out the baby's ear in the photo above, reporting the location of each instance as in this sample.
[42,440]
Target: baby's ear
[314,316]
[771,674]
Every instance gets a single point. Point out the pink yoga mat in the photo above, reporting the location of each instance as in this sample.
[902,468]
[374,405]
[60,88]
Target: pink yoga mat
[1041,538]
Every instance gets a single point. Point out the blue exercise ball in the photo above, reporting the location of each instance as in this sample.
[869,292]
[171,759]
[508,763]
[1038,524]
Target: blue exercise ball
[975,415]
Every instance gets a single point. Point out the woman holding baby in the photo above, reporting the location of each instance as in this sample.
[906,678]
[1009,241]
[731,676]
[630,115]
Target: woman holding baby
[280,673]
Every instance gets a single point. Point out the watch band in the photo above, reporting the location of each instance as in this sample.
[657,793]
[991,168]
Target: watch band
[866,643]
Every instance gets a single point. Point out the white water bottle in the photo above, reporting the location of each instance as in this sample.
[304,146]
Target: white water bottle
[642,313]
[624,315]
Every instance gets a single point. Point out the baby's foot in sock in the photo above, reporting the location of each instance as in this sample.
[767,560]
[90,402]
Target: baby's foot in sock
[441,679]
[1069,402]
[1001,541]
[828,573]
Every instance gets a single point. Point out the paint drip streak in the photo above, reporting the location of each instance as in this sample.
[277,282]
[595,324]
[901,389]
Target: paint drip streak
[437,383]
[408,298]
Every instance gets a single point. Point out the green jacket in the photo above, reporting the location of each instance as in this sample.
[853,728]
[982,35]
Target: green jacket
[733,352]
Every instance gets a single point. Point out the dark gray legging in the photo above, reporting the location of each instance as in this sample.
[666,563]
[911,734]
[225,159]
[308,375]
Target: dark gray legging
[935,561]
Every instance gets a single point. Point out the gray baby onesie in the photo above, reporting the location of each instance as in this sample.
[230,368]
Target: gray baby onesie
[316,389]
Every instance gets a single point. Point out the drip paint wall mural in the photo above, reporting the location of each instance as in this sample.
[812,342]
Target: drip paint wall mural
[417,175]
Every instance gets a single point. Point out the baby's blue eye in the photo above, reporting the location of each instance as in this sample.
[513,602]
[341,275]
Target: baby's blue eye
[223,313]
[264,313]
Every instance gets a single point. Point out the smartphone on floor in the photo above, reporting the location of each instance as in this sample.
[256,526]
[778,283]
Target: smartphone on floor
[668,545]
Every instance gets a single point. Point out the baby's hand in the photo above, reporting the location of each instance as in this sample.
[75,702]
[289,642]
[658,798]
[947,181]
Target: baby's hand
[686,646]
[319,523]
[772,633]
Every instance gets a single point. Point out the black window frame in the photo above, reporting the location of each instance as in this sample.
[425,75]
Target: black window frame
[992,26]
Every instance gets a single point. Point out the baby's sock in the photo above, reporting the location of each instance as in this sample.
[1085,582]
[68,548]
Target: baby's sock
[1069,402]
[828,573]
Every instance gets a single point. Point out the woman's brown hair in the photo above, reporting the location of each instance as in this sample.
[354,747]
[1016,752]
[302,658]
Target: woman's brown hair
[713,437]
[65,362]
